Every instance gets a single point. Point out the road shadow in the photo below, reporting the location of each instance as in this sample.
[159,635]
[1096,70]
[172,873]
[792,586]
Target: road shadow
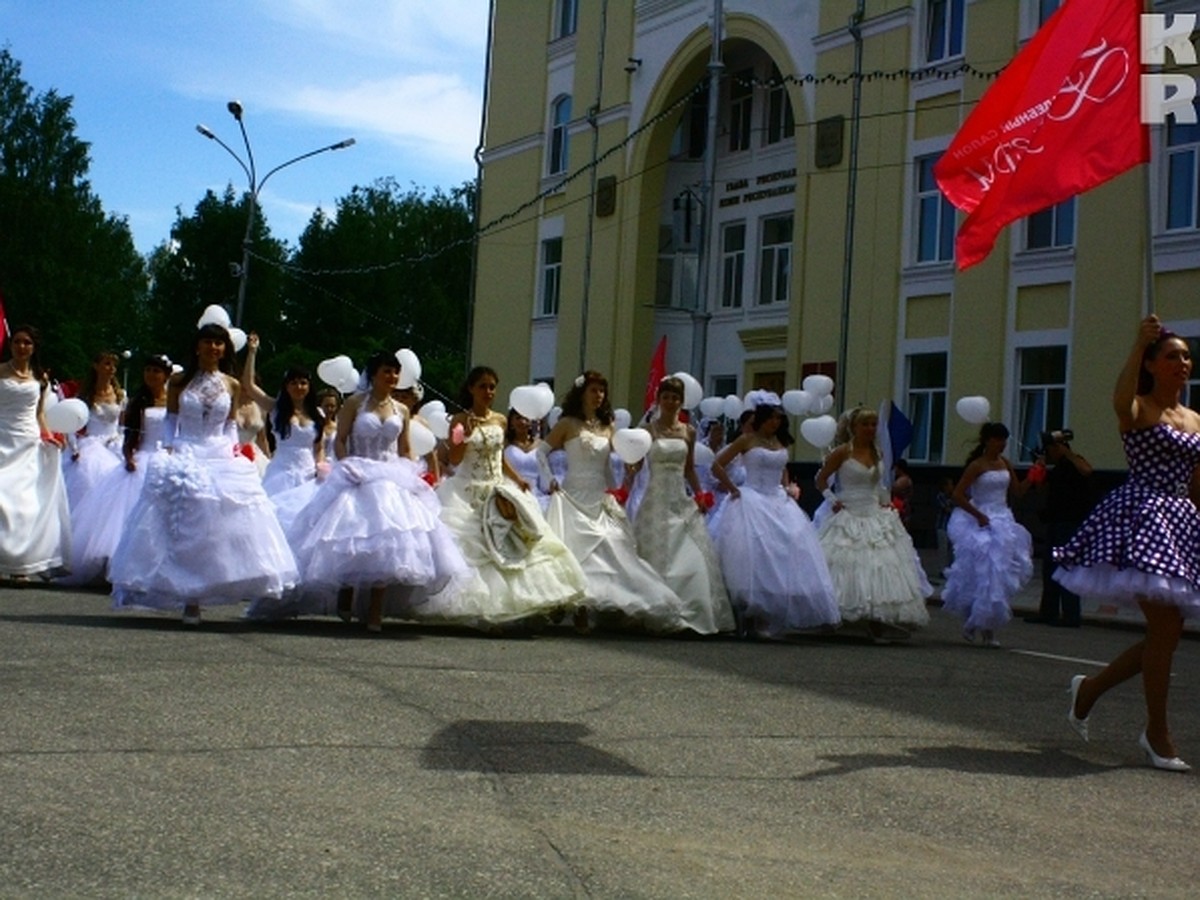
[1043,762]
[520,748]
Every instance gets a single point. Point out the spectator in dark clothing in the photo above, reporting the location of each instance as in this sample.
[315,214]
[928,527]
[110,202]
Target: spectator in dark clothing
[1068,501]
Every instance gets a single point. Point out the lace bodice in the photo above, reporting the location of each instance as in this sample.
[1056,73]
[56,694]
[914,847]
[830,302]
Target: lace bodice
[203,409]
[587,467]
[373,438]
[858,486]
[154,428]
[990,490]
[482,463]
[103,419]
[764,469]
[667,459]
[1161,458]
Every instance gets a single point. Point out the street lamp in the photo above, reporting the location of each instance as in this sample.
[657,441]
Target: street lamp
[235,110]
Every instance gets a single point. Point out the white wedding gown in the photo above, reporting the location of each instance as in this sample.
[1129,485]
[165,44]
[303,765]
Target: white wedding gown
[592,524]
[95,455]
[672,537]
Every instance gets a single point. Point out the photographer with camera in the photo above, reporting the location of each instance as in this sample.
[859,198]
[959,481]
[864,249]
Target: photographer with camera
[1068,501]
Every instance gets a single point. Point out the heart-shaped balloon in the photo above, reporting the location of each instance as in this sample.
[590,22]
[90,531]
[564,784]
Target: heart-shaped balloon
[238,337]
[631,444]
[819,431]
[621,418]
[421,440]
[819,385]
[410,368]
[533,401]
[693,393]
[67,416]
[975,410]
[797,403]
[214,315]
[335,371]
[710,407]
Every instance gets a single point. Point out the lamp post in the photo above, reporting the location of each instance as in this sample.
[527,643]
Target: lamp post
[256,186]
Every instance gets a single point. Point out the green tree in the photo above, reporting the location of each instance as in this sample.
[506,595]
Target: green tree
[195,268]
[392,269]
[65,266]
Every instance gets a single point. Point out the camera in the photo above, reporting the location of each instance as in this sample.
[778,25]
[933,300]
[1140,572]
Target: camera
[1059,436]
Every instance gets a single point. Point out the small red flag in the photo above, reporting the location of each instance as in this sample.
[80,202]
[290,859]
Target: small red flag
[1063,117]
[658,371]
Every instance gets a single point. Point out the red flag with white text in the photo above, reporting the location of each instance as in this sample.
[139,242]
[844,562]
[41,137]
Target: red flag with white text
[1062,118]
[658,371]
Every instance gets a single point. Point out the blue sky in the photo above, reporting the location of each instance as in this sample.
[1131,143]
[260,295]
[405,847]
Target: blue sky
[403,77]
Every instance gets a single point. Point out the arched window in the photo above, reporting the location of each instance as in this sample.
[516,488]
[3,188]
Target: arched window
[560,118]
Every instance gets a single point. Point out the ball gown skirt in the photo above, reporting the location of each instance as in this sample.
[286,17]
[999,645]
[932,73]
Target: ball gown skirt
[290,479]
[524,568]
[202,531]
[1143,539]
[990,564]
[95,455]
[772,561]
[35,523]
[373,522]
[875,569]
[99,521]
[595,529]
[672,537]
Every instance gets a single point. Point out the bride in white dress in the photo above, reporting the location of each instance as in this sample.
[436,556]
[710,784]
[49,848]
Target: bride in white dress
[98,452]
[202,532]
[35,527]
[772,561]
[373,523]
[527,571]
[669,524]
[99,520]
[871,557]
[590,521]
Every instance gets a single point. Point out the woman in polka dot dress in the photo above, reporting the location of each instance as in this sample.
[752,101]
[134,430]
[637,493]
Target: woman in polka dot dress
[1142,543]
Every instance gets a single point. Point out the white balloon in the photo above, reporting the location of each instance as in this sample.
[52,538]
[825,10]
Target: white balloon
[238,337]
[702,455]
[214,315]
[410,368]
[975,410]
[67,416]
[631,444]
[824,404]
[693,393]
[433,407]
[733,406]
[819,431]
[349,382]
[820,385]
[335,371]
[622,418]
[553,416]
[532,401]
[710,407]
[421,440]
[439,423]
[797,403]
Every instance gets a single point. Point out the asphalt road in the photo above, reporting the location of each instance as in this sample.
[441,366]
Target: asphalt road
[309,759]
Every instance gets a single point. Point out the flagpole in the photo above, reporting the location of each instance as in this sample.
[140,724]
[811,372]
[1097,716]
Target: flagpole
[1148,235]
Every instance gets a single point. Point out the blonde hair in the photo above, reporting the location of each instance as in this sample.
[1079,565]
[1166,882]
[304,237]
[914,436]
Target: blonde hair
[850,418]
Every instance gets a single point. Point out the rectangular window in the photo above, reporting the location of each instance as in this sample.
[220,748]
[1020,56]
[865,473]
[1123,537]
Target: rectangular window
[560,136]
[741,110]
[781,121]
[775,260]
[1046,8]
[1183,173]
[944,29]
[724,385]
[733,264]
[926,405]
[551,276]
[1052,227]
[1041,396]
[934,214]
[567,16]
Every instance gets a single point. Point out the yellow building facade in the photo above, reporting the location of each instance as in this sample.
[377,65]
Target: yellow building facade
[612,214]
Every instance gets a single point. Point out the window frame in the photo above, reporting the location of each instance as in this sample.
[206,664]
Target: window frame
[737,259]
[741,111]
[1061,219]
[775,261]
[950,17]
[925,192]
[558,148]
[1185,148]
[566,18]
[1026,433]
[549,278]
[936,397]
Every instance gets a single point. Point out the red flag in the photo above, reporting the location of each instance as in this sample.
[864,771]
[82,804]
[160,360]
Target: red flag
[658,371]
[1062,118]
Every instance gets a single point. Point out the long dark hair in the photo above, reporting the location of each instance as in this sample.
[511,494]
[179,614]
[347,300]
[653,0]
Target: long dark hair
[987,431]
[510,432]
[782,433]
[211,331]
[285,408]
[465,400]
[87,393]
[572,404]
[141,401]
[34,364]
[1145,380]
